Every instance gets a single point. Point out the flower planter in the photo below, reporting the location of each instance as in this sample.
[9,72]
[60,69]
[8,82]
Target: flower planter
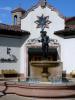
[10,75]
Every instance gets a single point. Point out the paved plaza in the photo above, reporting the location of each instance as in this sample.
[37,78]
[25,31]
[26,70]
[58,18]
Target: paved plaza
[15,97]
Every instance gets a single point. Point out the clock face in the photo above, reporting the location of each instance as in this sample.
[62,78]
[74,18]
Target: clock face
[42,22]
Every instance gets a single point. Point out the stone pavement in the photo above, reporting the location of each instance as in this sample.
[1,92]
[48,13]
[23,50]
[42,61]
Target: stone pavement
[15,97]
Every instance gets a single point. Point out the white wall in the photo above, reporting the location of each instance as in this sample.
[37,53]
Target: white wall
[14,44]
[28,23]
[68,54]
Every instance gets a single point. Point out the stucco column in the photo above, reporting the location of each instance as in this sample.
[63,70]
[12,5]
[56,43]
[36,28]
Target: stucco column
[26,62]
[59,52]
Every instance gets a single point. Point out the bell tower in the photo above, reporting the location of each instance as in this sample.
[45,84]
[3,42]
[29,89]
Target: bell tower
[16,15]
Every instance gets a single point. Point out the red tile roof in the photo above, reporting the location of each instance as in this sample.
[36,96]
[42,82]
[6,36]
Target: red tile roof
[68,32]
[71,27]
[18,10]
[12,28]
[67,19]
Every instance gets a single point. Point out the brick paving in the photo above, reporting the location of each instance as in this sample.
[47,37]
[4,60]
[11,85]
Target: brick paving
[15,97]
[18,90]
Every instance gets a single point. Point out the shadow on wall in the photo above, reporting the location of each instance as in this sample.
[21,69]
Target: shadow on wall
[12,42]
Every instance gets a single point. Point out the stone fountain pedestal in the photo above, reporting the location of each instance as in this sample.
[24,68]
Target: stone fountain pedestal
[47,69]
[44,77]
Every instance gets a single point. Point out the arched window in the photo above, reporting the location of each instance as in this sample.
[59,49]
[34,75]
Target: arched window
[15,20]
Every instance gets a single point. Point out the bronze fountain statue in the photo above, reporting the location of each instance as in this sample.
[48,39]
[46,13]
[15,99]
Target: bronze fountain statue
[45,43]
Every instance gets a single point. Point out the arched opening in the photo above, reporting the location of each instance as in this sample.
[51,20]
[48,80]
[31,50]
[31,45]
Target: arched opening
[15,20]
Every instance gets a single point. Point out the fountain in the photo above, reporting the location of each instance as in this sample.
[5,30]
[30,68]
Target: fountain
[44,63]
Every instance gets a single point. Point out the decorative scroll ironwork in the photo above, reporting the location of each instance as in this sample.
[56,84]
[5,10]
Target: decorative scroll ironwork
[37,40]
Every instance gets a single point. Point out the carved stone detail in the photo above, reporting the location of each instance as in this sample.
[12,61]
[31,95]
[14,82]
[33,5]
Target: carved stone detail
[37,40]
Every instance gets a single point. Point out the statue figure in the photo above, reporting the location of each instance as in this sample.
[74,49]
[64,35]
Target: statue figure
[45,43]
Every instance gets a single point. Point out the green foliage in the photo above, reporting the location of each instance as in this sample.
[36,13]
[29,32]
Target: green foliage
[70,23]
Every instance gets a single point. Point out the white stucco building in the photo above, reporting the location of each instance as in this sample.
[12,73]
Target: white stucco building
[19,43]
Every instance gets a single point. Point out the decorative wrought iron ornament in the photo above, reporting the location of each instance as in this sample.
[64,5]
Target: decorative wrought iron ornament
[42,22]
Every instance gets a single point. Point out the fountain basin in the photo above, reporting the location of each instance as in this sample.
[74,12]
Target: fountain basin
[44,63]
[47,68]
[42,90]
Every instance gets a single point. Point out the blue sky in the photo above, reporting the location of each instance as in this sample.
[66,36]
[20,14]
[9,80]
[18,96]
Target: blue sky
[66,7]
